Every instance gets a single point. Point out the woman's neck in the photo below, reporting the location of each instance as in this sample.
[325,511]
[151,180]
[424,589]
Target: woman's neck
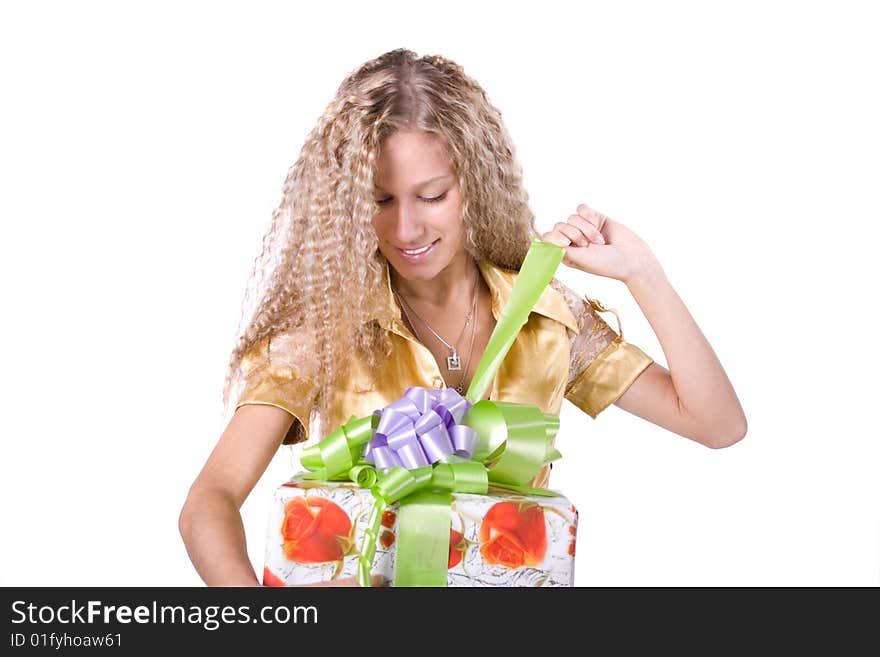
[447,288]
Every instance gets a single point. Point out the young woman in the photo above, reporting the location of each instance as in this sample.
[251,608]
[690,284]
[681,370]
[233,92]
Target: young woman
[399,236]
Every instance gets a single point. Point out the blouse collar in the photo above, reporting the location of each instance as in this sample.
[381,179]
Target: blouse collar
[500,281]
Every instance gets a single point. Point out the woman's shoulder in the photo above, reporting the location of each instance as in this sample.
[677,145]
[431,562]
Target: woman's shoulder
[282,353]
[575,302]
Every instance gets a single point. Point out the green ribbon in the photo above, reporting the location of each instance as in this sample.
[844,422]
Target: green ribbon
[514,443]
[516,437]
[340,450]
[423,539]
[538,267]
[425,496]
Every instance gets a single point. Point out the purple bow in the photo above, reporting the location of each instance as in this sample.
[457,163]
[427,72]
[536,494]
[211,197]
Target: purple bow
[421,428]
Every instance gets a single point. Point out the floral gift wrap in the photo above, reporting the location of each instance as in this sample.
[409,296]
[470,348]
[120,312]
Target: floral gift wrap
[497,539]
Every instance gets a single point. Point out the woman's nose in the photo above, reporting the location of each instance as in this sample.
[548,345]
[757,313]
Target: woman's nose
[407,225]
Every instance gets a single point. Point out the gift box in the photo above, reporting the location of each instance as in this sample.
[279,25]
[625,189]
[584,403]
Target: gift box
[497,539]
[431,490]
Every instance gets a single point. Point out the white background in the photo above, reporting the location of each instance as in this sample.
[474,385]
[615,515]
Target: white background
[143,147]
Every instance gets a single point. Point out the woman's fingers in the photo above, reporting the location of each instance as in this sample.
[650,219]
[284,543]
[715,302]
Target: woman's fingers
[574,235]
[588,228]
[555,237]
[581,229]
[590,215]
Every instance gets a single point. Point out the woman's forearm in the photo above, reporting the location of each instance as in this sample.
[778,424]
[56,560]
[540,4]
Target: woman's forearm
[704,391]
[213,533]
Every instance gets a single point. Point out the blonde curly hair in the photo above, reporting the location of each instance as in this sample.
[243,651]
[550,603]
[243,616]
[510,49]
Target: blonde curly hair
[320,269]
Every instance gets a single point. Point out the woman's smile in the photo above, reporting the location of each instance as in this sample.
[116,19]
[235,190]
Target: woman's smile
[419,254]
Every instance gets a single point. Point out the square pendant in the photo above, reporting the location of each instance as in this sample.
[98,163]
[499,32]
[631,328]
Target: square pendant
[453,363]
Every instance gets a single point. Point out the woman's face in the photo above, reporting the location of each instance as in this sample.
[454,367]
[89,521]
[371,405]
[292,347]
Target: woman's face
[418,219]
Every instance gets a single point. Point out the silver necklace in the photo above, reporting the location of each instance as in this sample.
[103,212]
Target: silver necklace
[460,386]
[467,362]
[453,361]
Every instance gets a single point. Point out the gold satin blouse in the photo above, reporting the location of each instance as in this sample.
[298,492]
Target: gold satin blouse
[564,350]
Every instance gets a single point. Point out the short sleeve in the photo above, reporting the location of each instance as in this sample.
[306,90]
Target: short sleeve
[277,373]
[602,364]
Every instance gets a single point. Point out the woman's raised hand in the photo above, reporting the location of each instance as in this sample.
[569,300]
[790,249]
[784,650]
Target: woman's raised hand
[597,245]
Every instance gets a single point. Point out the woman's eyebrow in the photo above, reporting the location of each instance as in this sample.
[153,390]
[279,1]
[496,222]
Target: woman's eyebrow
[426,182]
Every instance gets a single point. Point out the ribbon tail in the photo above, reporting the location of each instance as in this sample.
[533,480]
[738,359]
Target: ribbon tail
[541,262]
[368,547]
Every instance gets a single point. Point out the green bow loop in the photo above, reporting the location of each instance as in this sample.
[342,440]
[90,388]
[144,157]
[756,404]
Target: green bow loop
[341,449]
[365,476]
[514,438]
[461,477]
[551,426]
[400,482]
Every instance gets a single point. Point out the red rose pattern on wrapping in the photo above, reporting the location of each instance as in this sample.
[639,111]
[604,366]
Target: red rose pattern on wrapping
[514,534]
[315,530]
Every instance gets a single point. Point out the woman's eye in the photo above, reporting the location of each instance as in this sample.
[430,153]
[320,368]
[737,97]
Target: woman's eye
[434,199]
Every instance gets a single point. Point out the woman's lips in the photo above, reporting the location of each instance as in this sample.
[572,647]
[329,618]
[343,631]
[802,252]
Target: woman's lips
[419,256]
